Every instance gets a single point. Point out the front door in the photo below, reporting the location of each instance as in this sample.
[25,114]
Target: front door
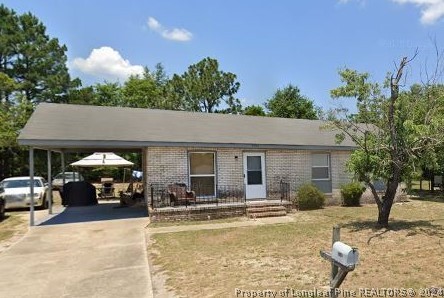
[254,173]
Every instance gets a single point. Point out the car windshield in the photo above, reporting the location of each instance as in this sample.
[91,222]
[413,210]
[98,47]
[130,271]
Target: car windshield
[20,183]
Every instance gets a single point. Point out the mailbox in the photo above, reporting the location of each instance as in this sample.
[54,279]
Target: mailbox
[344,254]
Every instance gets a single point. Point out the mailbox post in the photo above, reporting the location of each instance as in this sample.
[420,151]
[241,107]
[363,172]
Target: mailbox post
[343,259]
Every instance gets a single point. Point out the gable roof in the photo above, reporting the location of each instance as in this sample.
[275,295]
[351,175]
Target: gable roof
[65,126]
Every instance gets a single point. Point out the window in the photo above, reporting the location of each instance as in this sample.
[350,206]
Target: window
[203,173]
[254,170]
[320,169]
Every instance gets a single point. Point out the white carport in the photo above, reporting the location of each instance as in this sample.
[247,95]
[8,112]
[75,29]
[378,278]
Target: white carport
[111,159]
[61,128]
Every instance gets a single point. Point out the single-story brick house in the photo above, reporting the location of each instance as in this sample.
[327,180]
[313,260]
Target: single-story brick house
[206,151]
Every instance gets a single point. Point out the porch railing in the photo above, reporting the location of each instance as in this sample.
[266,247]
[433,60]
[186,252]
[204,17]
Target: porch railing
[205,194]
[221,194]
[279,190]
[284,188]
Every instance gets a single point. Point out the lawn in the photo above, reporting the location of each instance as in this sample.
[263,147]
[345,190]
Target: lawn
[13,225]
[213,263]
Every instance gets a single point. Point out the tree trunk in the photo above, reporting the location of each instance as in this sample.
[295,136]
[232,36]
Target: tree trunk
[387,201]
[384,213]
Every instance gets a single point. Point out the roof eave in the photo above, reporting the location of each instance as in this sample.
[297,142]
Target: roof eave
[104,144]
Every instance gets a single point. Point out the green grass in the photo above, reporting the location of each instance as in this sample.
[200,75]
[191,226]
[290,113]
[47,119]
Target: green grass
[12,224]
[213,263]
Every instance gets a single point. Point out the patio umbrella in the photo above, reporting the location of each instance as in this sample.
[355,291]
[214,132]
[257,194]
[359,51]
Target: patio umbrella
[102,159]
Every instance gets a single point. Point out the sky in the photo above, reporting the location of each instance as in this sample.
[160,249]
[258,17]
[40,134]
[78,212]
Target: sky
[267,44]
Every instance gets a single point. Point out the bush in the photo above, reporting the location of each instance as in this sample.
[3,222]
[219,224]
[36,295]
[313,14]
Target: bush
[351,194]
[309,197]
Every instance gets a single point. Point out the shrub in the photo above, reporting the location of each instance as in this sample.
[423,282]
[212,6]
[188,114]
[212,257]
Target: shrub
[309,197]
[351,193]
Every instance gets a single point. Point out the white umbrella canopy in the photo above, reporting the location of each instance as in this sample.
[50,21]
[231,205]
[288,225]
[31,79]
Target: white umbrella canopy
[102,159]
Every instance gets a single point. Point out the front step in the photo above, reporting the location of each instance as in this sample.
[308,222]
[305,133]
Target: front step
[266,210]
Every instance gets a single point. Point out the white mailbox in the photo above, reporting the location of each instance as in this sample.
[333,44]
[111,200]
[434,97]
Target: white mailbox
[344,254]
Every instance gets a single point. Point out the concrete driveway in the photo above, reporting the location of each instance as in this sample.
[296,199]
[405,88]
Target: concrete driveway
[97,251]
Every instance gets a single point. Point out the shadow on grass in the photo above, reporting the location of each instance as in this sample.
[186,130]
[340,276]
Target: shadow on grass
[415,227]
[5,217]
[427,195]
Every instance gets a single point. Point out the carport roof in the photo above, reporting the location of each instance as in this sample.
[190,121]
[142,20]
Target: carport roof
[64,126]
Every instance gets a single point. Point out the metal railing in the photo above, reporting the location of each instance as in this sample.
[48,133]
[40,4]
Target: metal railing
[219,194]
[284,188]
[204,194]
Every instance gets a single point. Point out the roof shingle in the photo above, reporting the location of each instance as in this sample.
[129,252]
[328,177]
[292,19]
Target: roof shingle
[81,126]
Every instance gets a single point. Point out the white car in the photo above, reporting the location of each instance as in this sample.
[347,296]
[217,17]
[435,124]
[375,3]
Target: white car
[16,192]
[57,182]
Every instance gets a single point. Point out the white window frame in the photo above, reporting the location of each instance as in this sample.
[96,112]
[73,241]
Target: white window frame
[328,167]
[203,175]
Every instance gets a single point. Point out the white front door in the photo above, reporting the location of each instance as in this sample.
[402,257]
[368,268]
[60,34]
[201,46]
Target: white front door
[254,173]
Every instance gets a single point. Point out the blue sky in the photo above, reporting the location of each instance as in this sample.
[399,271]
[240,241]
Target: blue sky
[267,44]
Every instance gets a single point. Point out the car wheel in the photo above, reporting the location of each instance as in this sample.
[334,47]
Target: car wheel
[44,204]
[2,212]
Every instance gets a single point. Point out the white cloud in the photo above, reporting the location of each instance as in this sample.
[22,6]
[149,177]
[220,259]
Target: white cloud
[431,10]
[153,24]
[362,2]
[176,34]
[108,63]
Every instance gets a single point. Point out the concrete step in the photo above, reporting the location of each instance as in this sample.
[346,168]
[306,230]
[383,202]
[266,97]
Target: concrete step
[260,209]
[267,214]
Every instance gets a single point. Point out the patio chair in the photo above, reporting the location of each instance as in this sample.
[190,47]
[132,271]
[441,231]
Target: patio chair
[107,189]
[132,195]
[178,194]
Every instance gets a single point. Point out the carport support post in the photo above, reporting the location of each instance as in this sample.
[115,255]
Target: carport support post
[144,176]
[31,175]
[49,196]
[63,168]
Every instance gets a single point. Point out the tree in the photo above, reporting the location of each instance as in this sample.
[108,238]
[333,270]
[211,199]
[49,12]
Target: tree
[12,118]
[254,110]
[289,103]
[394,133]
[82,96]
[32,70]
[203,88]
[151,90]
[108,94]
[141,91]
[36,62]
[7,85]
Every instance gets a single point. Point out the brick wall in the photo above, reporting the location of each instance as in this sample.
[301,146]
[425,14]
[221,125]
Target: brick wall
[229,168]
[339,174]
[338,168]
[167,165]
[183,214]
[290,166]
